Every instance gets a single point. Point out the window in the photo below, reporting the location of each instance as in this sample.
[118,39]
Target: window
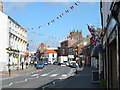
[53,55]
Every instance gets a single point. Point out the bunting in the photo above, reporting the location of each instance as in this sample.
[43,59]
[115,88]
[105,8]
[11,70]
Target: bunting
[58,17]
[94,35]
[60,38]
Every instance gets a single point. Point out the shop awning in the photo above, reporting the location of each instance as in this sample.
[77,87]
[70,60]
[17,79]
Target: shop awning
[96,50]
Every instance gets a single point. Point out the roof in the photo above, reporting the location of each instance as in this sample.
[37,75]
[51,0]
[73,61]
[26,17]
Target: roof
[50,51]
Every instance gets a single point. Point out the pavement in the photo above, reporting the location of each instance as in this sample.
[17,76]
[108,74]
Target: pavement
[83,79]
[15,73]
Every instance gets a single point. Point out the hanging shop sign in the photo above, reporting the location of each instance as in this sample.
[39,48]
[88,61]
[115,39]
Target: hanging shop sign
[111,26]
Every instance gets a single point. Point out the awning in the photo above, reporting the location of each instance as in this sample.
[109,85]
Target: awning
[96,50]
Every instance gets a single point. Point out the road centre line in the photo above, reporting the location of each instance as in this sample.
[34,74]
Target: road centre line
[34,75]
[19,81]
[64,75]
[53,75]
[44,74]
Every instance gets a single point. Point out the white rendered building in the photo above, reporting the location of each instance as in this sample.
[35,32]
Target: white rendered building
[50,56]
[13,39]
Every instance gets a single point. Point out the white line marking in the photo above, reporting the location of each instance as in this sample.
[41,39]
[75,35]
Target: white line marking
[19,81]
[25,79]
[34,75]
[53,75]
[10,84]
[64,75]
[53,82]
[44,75]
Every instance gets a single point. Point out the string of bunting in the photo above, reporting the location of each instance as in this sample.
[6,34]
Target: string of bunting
[94,33]
[63,38]
[57,18]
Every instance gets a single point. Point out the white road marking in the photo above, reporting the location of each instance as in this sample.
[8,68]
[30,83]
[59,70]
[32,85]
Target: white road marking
[25,79]
[19,81]
[53,82]
[10,84]
[53,75]
[64,75]
[44,75]
[34,75]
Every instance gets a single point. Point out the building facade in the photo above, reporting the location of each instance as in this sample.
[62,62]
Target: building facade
[50,56]
[14,42]
[110,17]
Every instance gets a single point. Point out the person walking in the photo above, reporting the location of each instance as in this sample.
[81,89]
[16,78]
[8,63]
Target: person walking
[22,64]
[26,65]
[83,63]
[9,69]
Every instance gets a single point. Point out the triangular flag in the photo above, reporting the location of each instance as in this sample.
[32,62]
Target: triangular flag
[76,4]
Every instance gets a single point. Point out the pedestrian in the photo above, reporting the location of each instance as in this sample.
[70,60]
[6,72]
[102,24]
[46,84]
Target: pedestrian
[22,64]
[83,63]
[26,65]
[35,63]
[9,70]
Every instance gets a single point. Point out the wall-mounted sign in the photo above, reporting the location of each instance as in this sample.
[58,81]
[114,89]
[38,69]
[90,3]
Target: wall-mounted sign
[111,26]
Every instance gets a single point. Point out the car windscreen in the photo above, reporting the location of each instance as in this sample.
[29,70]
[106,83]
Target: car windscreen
[40,63]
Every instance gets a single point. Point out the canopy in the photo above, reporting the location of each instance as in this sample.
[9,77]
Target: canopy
[96,50]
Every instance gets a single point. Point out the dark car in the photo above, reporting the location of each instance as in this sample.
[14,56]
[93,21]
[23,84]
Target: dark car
[73,65]
[55,63]
[40,65]
[45,63]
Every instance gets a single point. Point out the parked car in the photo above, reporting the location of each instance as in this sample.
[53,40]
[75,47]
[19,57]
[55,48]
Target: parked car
[40,65]
[73,65]
[45,63]
[55,63]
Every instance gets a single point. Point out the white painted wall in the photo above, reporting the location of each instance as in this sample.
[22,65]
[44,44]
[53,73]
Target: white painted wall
[11,35]
[3,40]
[50,57]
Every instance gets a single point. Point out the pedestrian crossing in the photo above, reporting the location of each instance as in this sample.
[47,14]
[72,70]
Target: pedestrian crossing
[53,75]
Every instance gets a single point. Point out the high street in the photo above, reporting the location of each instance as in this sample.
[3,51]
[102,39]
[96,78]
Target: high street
[38,78]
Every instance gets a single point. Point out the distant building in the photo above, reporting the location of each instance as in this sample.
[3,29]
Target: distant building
[68,46]
[13,39]
[73,46]
[50,56]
